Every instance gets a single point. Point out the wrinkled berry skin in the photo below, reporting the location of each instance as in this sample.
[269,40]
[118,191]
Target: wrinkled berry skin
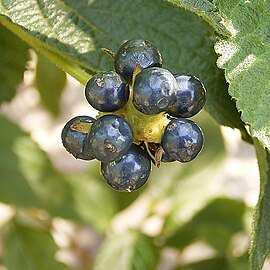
[182,139]
[190,97]
[110,137]
[107,92]
[128,173]
[74,137]
[154,90]
[136,51]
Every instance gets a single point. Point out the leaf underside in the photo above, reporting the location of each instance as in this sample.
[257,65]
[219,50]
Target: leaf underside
[245,56]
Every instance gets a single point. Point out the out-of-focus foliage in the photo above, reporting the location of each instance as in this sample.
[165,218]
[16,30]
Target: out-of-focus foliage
[50,82]
[13,59]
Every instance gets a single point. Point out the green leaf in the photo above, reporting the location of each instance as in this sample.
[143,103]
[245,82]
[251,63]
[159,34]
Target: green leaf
[13,59]
[260,240]
[14,188]
[50,82]
[71,33]
[205,9]
[28,248]
[28,179]
[245,57]
[215,224]
[128,251]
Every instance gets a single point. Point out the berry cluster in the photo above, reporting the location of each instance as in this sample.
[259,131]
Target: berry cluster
[142,117]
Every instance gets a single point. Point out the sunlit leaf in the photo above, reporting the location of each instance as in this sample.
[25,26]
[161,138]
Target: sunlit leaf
[245,57]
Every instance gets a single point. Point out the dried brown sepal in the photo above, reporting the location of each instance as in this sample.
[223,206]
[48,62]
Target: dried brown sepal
[158,156]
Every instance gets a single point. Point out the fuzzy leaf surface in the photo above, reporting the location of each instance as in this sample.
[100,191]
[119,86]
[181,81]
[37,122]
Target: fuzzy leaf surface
[245,56]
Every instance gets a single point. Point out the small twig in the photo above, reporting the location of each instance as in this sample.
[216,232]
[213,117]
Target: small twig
[109,52]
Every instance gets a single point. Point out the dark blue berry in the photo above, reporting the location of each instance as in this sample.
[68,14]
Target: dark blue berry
[136,51]
[110,137]
[167,158]
[182,140]
[107,92]
[74,137]
[128,173]
[190,97]
[154,90]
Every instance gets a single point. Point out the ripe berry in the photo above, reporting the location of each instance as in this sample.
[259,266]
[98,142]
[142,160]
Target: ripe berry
[190,97]
[154,90]
[142,96]
[74,137]
[129,172]
[110,137]
[182,140]
[167,158]
[136,51]
[107,92]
